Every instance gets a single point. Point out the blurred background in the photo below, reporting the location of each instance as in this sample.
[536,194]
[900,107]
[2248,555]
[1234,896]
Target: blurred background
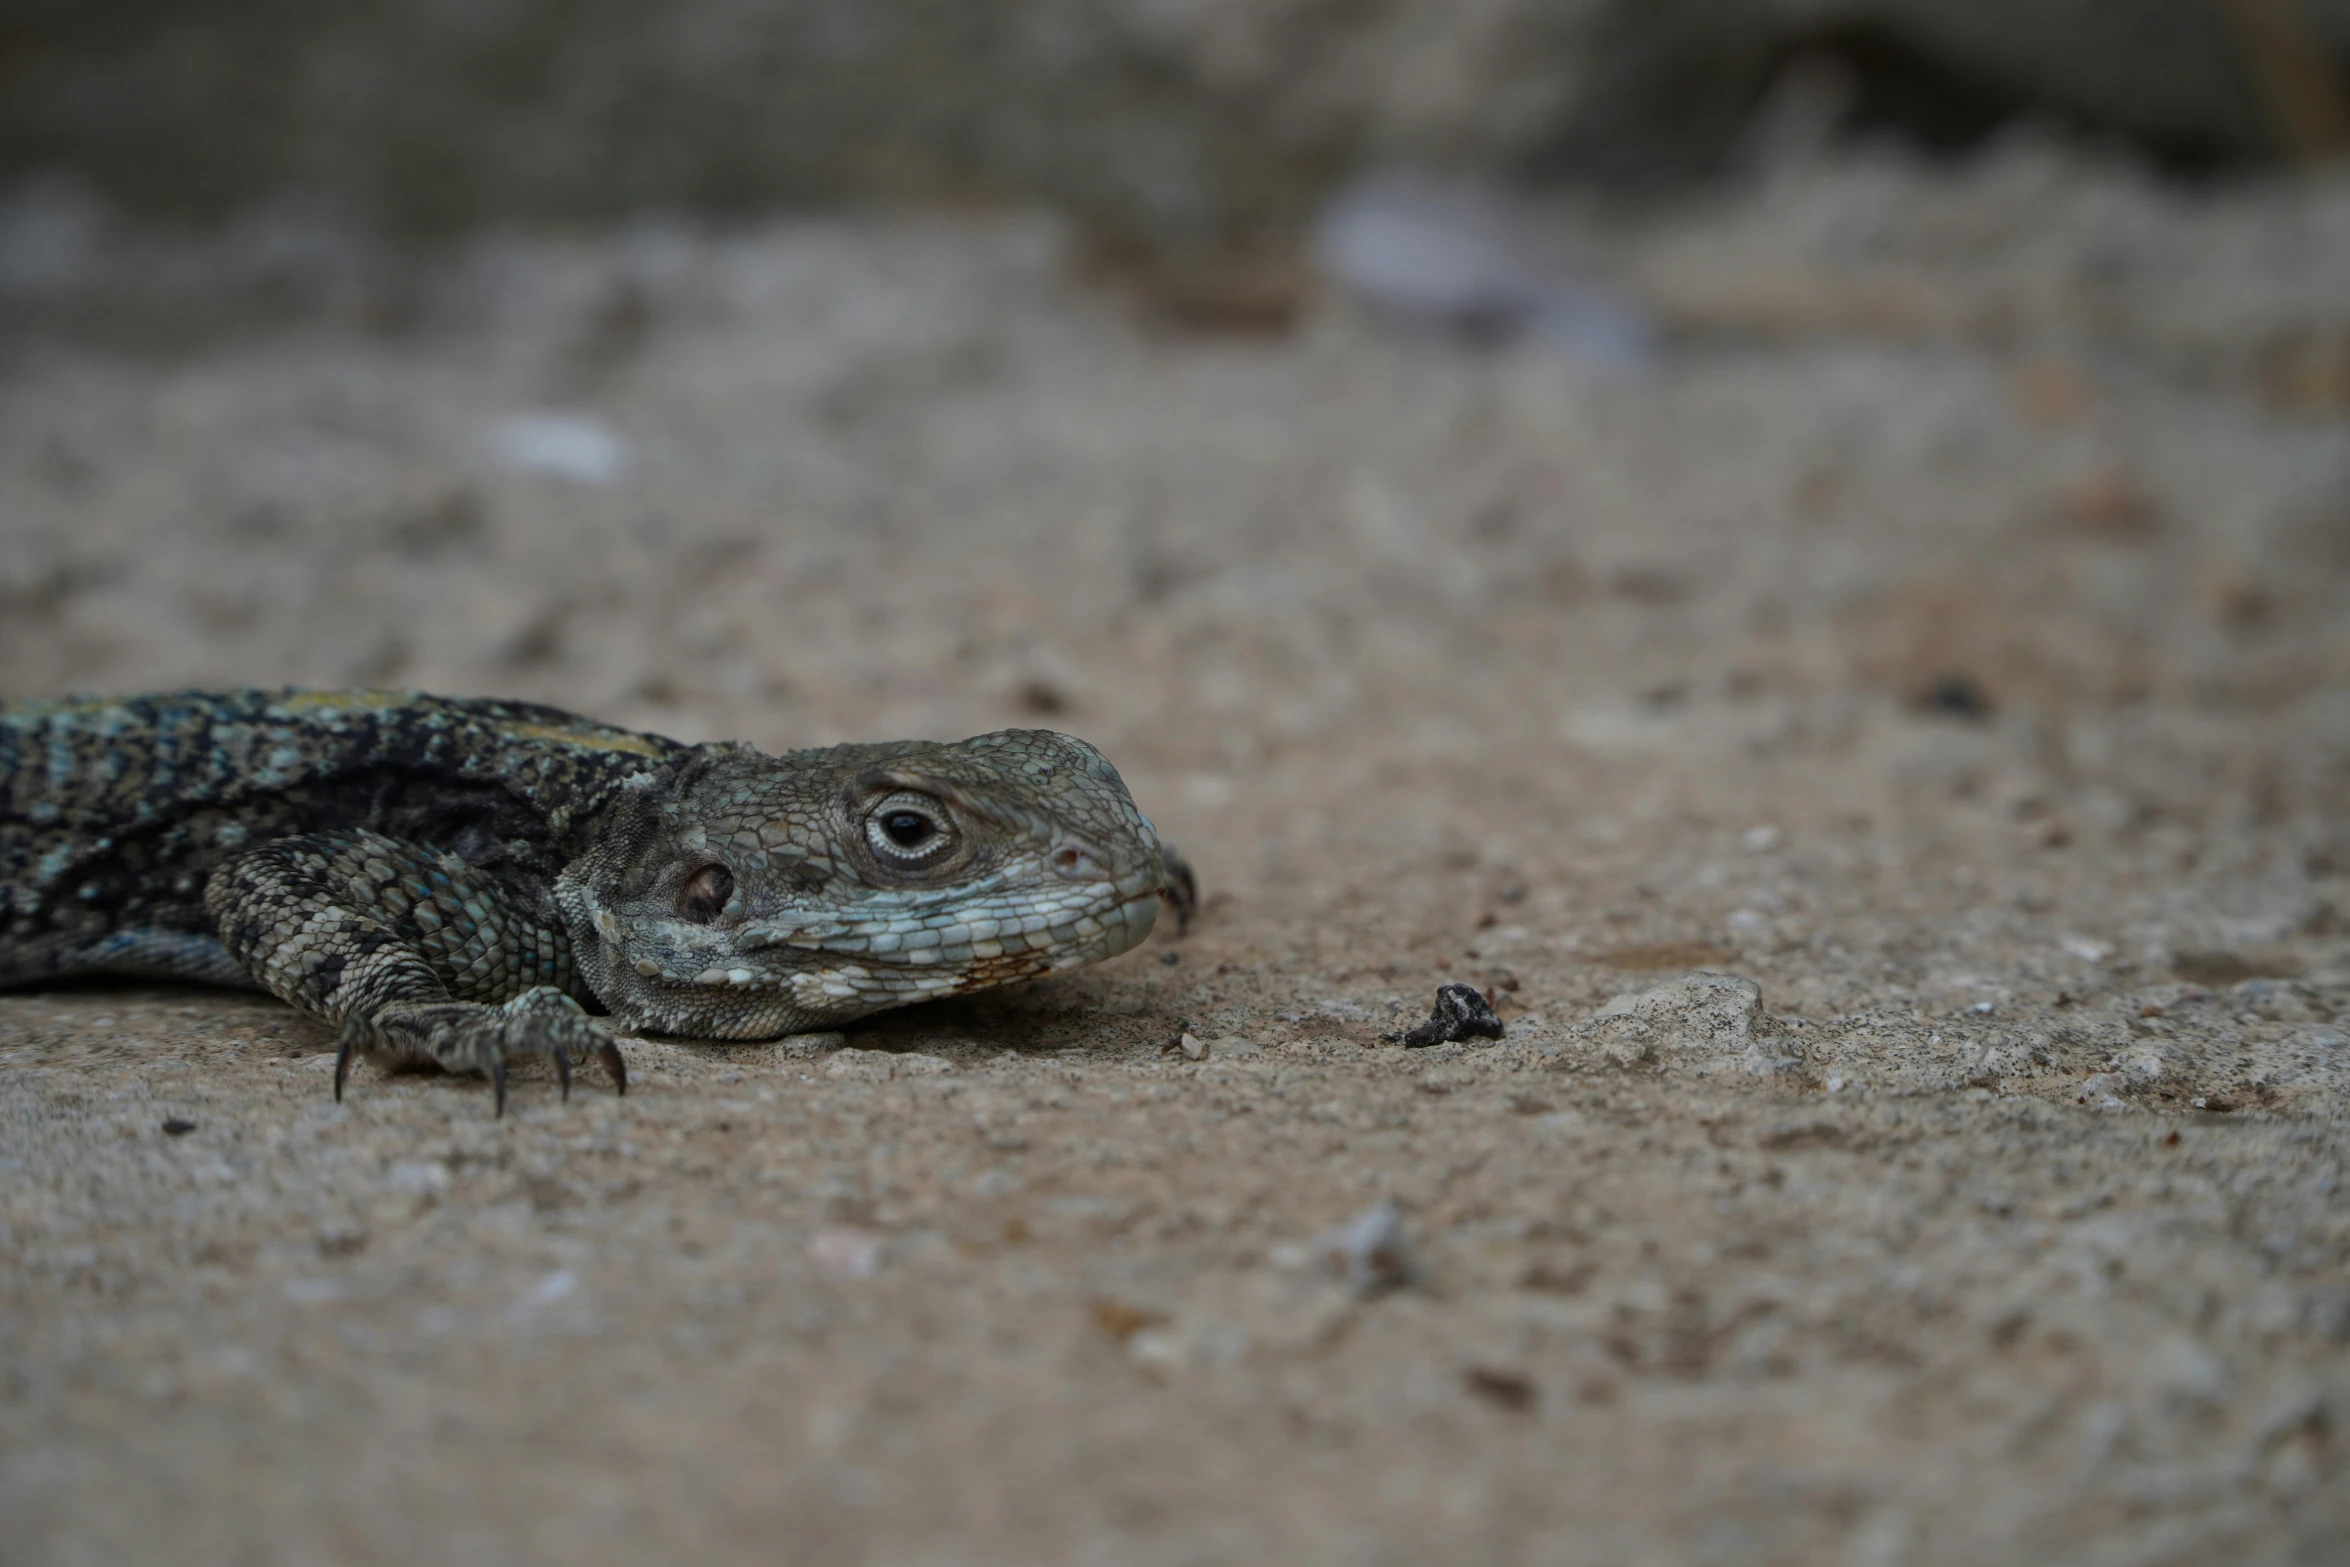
[1218,375]
[1165,124]
[1279,393]
[1275,392]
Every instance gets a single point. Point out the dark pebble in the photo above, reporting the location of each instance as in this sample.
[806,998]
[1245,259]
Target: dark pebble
[1460,1013]
[1512,1390]
[175,1127]
[1957,696]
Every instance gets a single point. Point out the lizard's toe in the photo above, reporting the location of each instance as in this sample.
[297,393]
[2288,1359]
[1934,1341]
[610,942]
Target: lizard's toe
[462,1036]
[546,1022]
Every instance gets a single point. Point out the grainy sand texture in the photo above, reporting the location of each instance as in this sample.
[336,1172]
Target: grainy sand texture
[1883,748]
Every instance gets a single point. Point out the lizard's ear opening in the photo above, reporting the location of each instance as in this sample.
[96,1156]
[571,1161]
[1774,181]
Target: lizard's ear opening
[704,894]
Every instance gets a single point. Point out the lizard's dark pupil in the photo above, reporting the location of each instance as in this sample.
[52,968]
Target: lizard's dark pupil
[906,829]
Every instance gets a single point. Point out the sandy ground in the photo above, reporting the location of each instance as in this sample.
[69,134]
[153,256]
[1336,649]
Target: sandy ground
[1946,636]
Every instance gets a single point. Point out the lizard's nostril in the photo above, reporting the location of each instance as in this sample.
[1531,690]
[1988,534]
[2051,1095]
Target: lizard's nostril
[1070,860]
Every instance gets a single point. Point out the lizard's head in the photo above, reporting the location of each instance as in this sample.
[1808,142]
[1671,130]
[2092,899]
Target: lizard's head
[743,896]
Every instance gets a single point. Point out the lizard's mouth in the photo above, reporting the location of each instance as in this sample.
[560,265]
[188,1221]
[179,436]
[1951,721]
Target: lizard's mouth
[835,973]
[1050,933]
[780,977]
[904,951]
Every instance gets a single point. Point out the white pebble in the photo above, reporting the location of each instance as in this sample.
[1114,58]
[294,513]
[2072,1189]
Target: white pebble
[573,447]
[1368,1251]
[846,1252]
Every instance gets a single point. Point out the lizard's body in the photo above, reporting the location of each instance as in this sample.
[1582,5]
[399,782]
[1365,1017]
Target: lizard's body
[455,881]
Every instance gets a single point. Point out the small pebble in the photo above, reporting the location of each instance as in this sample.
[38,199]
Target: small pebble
[1955,695]
[341,1240]
[1368,1251]
[176,1127]
[2101,1089]
[808,1045]
[1511,1390]
[573,447]
[1230,1046]
[1122,1320]
[846,1252]
[1461,1012]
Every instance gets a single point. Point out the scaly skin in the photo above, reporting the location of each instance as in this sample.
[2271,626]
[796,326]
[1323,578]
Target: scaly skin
[460,882]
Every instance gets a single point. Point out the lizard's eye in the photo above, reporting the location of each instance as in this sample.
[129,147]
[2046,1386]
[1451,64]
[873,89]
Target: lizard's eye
[909,830]
[705,893]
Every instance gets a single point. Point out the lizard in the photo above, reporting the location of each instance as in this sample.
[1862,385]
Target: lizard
[465,883]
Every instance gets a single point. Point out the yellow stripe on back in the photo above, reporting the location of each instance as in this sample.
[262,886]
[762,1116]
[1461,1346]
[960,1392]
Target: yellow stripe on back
[585,739]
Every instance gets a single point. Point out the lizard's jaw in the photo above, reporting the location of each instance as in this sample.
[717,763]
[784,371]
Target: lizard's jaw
[981,925]
[782,977]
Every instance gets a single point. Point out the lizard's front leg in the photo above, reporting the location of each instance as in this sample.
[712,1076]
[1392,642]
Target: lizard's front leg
[414,955]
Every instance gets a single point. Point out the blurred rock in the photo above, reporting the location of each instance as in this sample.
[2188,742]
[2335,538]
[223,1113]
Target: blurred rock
[49,236]
[1368,1252]
[846,1251]
[573,447]
[1455,257]
[1706,1018]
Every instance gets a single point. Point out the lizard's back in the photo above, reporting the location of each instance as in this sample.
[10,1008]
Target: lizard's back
[114,810]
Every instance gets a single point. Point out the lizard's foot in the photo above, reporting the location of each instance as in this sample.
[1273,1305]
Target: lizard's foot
[466,1036]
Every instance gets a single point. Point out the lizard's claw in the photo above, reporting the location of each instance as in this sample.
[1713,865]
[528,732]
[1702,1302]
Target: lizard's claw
[1181,891]
[468,1036]
[607,1055]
